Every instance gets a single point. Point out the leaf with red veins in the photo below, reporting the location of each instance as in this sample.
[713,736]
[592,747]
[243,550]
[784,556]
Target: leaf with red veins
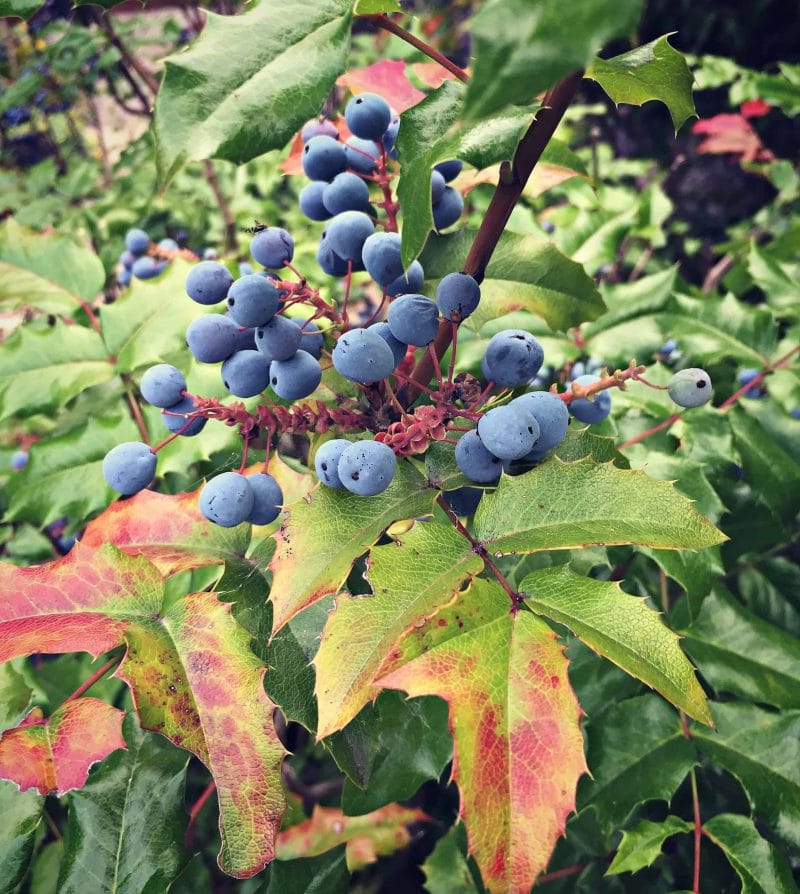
[53,755]
[388,79]
[192,675]
[367,837]
[515,721]
[168,529]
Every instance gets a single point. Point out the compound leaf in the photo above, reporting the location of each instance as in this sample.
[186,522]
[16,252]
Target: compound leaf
[641,845]
[621,628]
[515,719]
[410,579]
[566,505]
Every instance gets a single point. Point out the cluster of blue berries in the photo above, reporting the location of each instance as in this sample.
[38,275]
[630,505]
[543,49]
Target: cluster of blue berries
[136,260]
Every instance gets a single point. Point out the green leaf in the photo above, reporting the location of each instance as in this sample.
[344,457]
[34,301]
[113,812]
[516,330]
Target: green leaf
[127,824]
[525,273]
[655,70]
[22,9]
[64,475]
[762,869]
[148,323]
[15,696]
[215,103]
[410,580]
[324,874]
[762,750]
[738,652]
[621,628]
[582,442]
[779,285]
[636,753]
[42,369]
[429,133]
[522,47]
[446,869]
[695,572]
[22,814]
[321,538]
[641,845]
[44,875]
[375,7]
[49,271]
[566,505]
[629,300]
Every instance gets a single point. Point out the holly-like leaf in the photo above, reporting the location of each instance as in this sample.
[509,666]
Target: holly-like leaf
[641,845]
[375,7]
[762,750]
[583,442]
[51,272]
[621,628]
[762,869]
[325,874]
[446,869]
[430,133]
[42,369]
[54,754]
[188,664]
[148,323]
[367,837]
[22,815]
[15,696]
[525,273]
[214,104]
[739,653]
[636,753]
[322,537]
[410,579]
[655,70]
[515,719]
[778,283]
[566,505]
[523,47]
[387,78]
[127,824]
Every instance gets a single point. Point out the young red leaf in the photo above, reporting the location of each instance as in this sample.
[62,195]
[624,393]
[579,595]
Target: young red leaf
[388,79]
[54,754]
[516,724]
[189,666]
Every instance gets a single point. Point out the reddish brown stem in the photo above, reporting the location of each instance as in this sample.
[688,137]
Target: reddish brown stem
[393,28]
[87,309]
[90,681]
[136,412]
[698,832]
[194,812]
[754,383]
[128,58]
[666,423]
[559,873]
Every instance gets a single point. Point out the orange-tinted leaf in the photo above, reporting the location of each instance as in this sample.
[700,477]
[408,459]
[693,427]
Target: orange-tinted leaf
[192,675]
[167,529]
[731,133]
[431,73]
[515,720]
[54,754]
[388,79]
[368,837]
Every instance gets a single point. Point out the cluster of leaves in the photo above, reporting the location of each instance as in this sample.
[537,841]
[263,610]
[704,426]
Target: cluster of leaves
[370,600]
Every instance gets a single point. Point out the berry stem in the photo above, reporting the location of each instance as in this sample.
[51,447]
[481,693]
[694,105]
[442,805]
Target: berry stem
[90,681]
[388,204]
[347,281]
[453,348]
[198,805]
[136,410]
[614,380]
[393,28]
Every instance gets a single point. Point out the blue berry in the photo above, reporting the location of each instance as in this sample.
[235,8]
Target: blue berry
[591,411]
[438,184]
[398,347]
[508,432]
[253,300]
[245,373]
[326,462]
[381,256]
[361,355]
[127,259]
[267,499]
[449,169]
[551,415]
[413,319]
[147,267]
[328,260]
[272,247]
[323,158]
[361,155]
[407,283]
[457,296]
[668,347]
[295,378]
[212,338]
[312,341]
[513,357]
[690,387]
[245,268]
[368,115]
[318,127]
[448,209]
[346,192]
[175,417]
[227,499]
[137,241]
[19,459]
[366,468]
[124,277]
[168,245]
[162,385]
[389,137]
[129,467]
[208,282]
[347,232]
[279,339]
[310,200]
[475,461]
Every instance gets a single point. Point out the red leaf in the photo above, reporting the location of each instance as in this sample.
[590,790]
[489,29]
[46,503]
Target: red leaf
[754,108]
[54,754]
[431,73]
[388,79]
[731,134]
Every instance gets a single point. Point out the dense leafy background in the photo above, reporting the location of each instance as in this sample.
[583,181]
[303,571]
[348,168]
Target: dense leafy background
[626,237]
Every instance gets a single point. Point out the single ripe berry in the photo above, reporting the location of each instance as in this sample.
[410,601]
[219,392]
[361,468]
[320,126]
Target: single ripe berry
[295,378]
[127,258]
[449,169]
[366,468]
[227,499]
[318,127]
[253,300]
[212,338]
[147,267]
[245,373]
[279,339]
[323,158]
[346,192]
[690,387]
[137,241]
[310,200]
[457,296]
[381,256]
[475,461]
[163,385]
[389,137]
[267,499]
[552,416]
[328,260]
[168,245]
[437,186]
[129,467]
[413,320]
[326,462]
[594,410]
[513,357]
[399,349]
[508,432]
[361,155]
[272,247]
[368,115]
[19,459]
[347,232]
[208,282]
[448,209]
[407,283]
[312,341]
[361,355]
[175,417]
